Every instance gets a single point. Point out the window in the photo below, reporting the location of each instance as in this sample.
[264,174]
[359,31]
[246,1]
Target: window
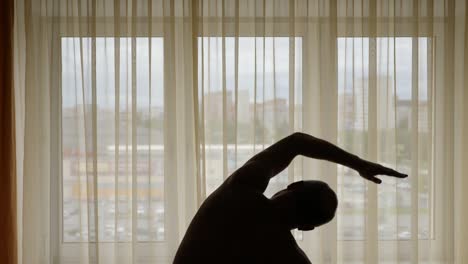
[403,87]
[117,111]
[248,119]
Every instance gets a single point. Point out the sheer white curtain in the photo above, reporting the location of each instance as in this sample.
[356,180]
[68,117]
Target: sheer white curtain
[129,113]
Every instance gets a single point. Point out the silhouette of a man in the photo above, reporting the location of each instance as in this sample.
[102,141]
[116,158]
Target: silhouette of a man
[238,224]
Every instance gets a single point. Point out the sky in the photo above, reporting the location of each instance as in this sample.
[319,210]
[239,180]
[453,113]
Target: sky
[353,55]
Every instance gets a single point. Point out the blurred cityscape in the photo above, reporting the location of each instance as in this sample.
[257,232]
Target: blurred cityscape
[130,183]
[114,170]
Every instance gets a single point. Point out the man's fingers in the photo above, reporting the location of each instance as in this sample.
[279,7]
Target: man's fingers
[392,172]
[376,180]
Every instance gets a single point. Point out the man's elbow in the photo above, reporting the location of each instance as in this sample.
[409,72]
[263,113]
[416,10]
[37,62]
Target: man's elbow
[303,144]
[297,139]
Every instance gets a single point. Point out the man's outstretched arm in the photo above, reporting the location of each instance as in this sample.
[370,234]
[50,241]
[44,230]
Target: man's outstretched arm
[258,170]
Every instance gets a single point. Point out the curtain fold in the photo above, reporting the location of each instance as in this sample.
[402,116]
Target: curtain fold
[8,244]
[130,113]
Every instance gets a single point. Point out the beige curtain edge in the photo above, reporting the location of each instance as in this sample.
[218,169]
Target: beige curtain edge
[8,253]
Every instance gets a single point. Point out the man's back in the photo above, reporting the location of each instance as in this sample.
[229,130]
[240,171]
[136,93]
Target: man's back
[238,225]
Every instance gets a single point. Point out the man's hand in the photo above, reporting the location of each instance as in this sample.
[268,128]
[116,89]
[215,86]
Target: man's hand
[368,170]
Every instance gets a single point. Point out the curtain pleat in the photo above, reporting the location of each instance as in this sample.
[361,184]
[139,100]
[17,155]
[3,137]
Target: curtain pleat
[8,196]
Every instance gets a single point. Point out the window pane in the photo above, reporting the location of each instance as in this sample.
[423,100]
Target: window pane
[398,104]
[116,119]
[257,113]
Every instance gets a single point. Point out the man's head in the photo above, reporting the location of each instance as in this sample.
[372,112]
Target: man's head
[307,204]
